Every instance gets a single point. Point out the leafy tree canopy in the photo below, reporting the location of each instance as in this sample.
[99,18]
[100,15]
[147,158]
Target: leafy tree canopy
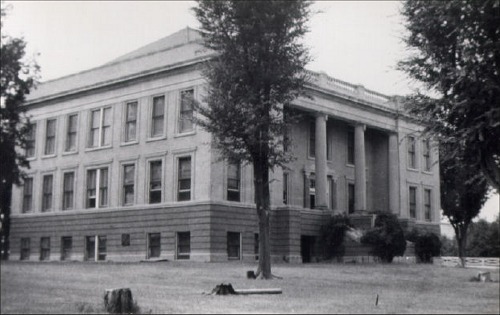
[455,53]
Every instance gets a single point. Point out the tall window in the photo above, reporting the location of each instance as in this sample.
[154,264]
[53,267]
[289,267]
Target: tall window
[233,245]
[184,177]
[154,245]
[350,146]
[155,181]
[312,139]
[332,188]
[186,111]
[183,245]
[47,193]
[427,154]
[97,188]
[312,192]
[233,182]
[131,122]
[100,128]
[427,204]
[285,188]
[413,202]
[68,190]
[90,247]
[25,249]
[31,140]
[128,184]
[350,197]
[158,116]
[256,245]
[50,137]
[328,146]
[66,247]
[45,248]
[28,194]
[411,152]
[71,130]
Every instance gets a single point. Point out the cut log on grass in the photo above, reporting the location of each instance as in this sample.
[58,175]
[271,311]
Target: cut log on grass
[118,301]
[259,291]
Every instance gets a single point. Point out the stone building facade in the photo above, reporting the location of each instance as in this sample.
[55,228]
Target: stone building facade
[120,172]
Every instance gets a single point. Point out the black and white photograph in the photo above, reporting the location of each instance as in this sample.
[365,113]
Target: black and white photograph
[250,156]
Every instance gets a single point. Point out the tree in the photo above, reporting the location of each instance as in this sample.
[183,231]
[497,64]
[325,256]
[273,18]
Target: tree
[463,193]
[455,54]
[17,77]
[483,240]
[386,238]
[256,72]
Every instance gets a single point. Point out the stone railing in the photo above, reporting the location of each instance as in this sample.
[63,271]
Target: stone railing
[358,92]
[472,262]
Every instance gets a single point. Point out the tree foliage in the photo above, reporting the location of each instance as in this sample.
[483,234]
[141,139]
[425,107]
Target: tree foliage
[455,54]
[484,239]
[256,72]
[17,77]
[386,237]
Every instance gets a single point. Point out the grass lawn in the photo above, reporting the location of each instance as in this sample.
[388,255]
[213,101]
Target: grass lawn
[177,287]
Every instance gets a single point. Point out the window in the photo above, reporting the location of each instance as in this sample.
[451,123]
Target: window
[184,176]
[66,247]
[413,202]
[312,192]
[25,249]
[350,197]
[427,204]
[28,195]
[100,128]
[183,245]
[155,181]
[125,239]
[71,130]
[45,248]
[47,193]
[328,146]
[411,152]
[427,155]
[131,122]
[128,184]
[350,146]
[233,182]
[50,137]
[256,245]
[332,188]
[285,188]
[31,140]
[312,139]
[158,116]
[154,245]
[90,248]
[233,245]
[97,188]
[186,111]
[68,190]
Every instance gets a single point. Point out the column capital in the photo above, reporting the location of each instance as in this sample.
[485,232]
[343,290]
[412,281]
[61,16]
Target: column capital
[360,125]
[321,115]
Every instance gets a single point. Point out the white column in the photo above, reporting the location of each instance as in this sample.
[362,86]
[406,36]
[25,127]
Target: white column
[360,168]
[320,162]
[393,170]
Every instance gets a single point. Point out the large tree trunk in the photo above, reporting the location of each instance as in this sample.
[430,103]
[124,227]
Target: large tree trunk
[5,198]
[262,202]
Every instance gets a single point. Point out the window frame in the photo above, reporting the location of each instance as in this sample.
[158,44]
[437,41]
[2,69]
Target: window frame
[183,255]
[350,146]
[23,207]
[180,119]
[411,152]
[412,204]
[127,123]
[64,206]
[233,194]
[149,182]
[231,246]
[124,185]
[47,195]
[150,245]
[180,191]
[44,248]
[100,129]
[69,133]
[427,204]
[426,154]
[98,187]
[351,197]
[25,248]
[51,137]
[31,141]
[151,118]
[65,252]
[286,188]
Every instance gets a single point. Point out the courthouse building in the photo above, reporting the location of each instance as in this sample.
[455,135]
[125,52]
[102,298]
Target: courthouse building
[119,171]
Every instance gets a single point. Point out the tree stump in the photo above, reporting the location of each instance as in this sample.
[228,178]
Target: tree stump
[223,289]
[251,274]
[118,301]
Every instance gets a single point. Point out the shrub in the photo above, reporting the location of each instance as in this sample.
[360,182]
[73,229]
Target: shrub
[427,246]
[332,236]
[386,238]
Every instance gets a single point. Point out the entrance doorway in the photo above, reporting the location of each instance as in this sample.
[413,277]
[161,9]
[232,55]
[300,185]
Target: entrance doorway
[307,247]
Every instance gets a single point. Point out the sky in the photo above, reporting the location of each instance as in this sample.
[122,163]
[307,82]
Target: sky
[356,41]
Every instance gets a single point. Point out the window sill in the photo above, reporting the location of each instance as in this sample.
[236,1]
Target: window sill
[98,148]
[415,170]
[125,144]
[69,153]
[350,165]
[156,138]
[48,156]
[185,134]
[428,172]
